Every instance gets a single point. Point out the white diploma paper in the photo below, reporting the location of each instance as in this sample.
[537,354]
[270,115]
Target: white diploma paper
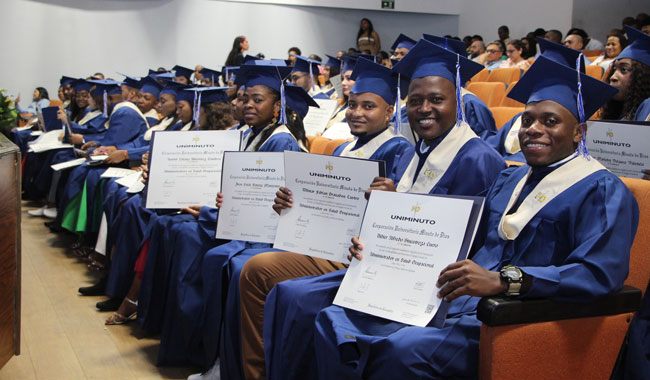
[338,85]
[408,239]
[317,118]
[185,167]
[249,181]
[328,203]
[48,141]
[623,147]
[114,172]
[68,164]
[338,131]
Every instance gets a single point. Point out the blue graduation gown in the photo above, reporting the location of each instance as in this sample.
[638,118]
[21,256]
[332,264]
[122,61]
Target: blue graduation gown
[497,140]
[569,256]
[643,111]
[185,301]
[479,117]
[288,311]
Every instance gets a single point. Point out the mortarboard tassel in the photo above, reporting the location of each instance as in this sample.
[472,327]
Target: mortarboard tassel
[311,77]
[398,106]
[460,115]
[105,103]
[582,145]
[197,108]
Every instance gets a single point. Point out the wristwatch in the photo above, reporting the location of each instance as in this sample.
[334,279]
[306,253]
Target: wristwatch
[514,278]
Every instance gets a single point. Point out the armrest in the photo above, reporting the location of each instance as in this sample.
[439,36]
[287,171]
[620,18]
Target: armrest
[499,311]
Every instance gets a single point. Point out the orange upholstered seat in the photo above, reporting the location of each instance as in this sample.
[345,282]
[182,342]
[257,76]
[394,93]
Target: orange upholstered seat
[55,103]
[580,348]
[491,93]
[505,75]
[507,102]
[322,145]
[594,71]
[481,76]
[503,114]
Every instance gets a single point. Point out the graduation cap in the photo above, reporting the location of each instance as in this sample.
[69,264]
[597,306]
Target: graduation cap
[450,44]
[161,74]
[579,93]
[150,85]
[306,65]
[333,62]
[181,71]
[561,54]
[369,57]
[172,88]
[81,85]
[130,81]
[184,93]
[213,75]
[65,80]
[428,59]
[204,95]
[638,48]
[230,72]
[348,62]
[106,87]
[249,58]
[403,41]
[269,75]
[299,100]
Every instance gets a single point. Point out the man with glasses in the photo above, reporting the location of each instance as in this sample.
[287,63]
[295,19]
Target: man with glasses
[494,55]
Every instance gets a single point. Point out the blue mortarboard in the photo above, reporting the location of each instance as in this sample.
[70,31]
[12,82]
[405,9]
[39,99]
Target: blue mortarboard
[204,95]
[299,100]
[65,80]
[394,61]
[450,44]
[333,62]
[403,41]
[106,87]
[639,47]
[81,85]
[213,75]
[374,78]
[271,76]
[579,93]
[560,53]
[230,72]
[172,88]
[369,57]
[181,71]
[164,75]
[428,59]
[249,58]
[130,81]
[149,85]
[306,65]
[348,62]
[185,93]
[263,62]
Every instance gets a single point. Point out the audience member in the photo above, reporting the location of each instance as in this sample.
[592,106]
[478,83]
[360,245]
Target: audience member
[367,38]
[236,56]
[514,51]
[615,44]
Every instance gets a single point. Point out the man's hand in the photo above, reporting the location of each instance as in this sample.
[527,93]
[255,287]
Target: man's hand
[466,278]
[145,159]
[193,210]
[76,138]
[355,249]
[60,114]
[219,200]
[88,145]
[646,174]
[380,183]
[105,150]
[117,156]
[283,200]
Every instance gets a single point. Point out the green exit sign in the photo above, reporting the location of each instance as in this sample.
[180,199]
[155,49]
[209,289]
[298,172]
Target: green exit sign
[387,4]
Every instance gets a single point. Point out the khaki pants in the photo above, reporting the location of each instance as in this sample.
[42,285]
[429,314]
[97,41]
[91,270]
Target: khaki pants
[258,277]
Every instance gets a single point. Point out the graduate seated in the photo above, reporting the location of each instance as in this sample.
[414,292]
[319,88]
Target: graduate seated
[40,100]
[537,239]
[305,73]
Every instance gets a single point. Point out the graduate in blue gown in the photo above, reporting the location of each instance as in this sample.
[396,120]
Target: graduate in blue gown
[526,248]
[470,169]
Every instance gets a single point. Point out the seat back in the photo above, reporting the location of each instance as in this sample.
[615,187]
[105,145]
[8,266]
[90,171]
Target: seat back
[55,103]
[503,115]
[322,145]
[639,255]
[594,71]
[491,93]
[482,76]
[505,75]
[507,102]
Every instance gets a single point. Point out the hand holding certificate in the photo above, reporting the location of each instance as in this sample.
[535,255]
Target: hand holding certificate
[408,239]
[328,203]
[185,167]
[249,182]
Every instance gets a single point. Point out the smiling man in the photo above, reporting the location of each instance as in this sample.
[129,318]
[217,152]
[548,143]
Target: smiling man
[537,239]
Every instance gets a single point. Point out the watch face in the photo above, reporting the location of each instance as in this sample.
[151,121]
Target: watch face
[513,273]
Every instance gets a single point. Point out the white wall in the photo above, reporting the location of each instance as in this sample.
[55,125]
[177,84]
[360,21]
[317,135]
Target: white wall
[598,17]
[45,39]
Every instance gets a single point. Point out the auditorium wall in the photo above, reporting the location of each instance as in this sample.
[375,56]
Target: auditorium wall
[44,39]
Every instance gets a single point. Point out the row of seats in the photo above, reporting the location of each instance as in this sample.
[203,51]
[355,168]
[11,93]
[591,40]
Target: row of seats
[512,74]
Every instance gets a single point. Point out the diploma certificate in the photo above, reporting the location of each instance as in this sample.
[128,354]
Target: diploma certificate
[185,167]
[249,181]
[408,239]
[623,147]
[328,203]
[317,118]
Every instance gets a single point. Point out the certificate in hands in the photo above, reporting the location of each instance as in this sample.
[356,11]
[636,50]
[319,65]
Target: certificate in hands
[328,203]
[408,240]
[621,146]
[249,181]
[185,167]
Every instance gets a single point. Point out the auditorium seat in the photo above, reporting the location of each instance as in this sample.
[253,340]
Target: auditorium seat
[507,102]
[55,103]
[593,53]
[481,76]
[503,114]
[505,75]
[542,339]
[594,71]
[491,93]
[322,145]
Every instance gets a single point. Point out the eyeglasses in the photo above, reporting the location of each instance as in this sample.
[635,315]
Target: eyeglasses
[493,51]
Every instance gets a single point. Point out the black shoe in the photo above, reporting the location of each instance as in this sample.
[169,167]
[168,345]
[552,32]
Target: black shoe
[94,290]
[111,304]
[53,226]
